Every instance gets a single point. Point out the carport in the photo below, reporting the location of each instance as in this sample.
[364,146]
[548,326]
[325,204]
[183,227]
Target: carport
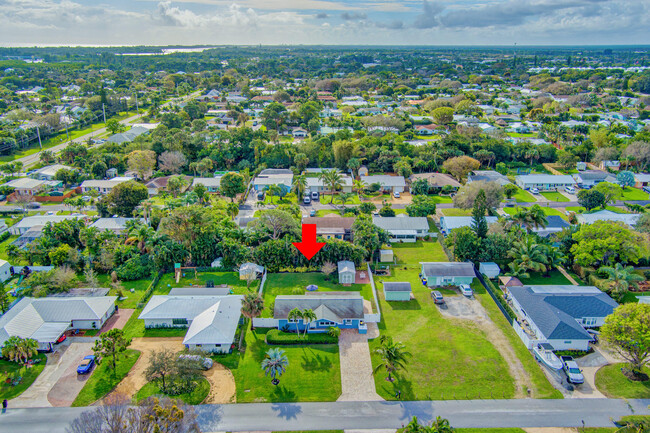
[48,334]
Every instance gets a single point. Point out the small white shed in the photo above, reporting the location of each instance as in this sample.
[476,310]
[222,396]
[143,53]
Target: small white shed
[490,269]
[385,256]
[216,263]
[347,272]
[250,269]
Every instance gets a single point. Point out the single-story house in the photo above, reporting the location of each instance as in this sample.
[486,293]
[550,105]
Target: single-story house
[448,223]
[116,224]
[248,268]
[554,224]
[590,178]
[436,180]
[347,272]
[103,186]
[489,269]
[388,183]
[397,291]
[27,223]
[28,187]
[127,136]
[447,273]
[488,176]
[299,133]
[339,309]
[332,227]
[403,228]
[386,256]
[46,319]
[641,179]
[560,314]
[49,172]
[211,184]
[544,182]
[211,321]
[5,270]
[315,184]
[607,215]
[274,176]
[644,299]
[199,291]
[155,185]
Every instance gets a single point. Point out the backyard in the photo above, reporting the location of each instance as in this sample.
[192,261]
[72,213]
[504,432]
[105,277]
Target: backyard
[412,254]
[633,194]
[15,370]
[313,373]
[555,277]
[189,279]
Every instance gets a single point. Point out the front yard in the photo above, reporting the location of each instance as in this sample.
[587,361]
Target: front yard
[313,373]
[456,212]
[614,384]
[21,373]
[633,194]
[555,196]
[523,196]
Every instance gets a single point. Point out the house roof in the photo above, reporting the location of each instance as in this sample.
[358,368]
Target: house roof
[608,215]
[546,178]
[555,309]
[110,183]
[488,176]
[393,224]
[248,267]
[315,181]
[207,181]
[199,291]
[217,324]
[326,305]
[455,222]
[593,175]
[42,220]
[51,170]
[26,183]
[384,180]
[174,307]
[489,266]
[127,136]
[330,224]
[390,286]
[117,223]
[346,266]
[437,179]
[448,269]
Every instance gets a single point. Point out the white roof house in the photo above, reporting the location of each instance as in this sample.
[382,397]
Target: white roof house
[117,224]
[212,184]
[49,172]
[403,228]
[27,223]
[448,223]
[103,186]
[393,183]
[607,215]
[544,181]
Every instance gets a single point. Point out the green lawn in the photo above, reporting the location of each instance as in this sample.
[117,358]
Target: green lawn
[554,196]
[451,358]
[104,379]
[490,430]
[195,397]
[456,212]
[327,212]
[15,370]
[523,196]
[286,283]
[230,278]
[611,382]
[633,194]
[537,278]
[411,254]
[442,199]
[547,211]
[580,209]
[313,373]
[132,298]
[327,199]
[3,250]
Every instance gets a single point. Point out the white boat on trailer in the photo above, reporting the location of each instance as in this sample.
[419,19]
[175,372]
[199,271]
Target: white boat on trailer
[544,353]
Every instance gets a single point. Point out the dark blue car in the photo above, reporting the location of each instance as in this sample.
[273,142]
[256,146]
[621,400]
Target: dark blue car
[86,365]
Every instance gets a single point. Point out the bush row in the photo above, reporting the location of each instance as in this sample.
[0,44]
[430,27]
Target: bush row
[149,290]
[498,294]
[276,336]
[5,236]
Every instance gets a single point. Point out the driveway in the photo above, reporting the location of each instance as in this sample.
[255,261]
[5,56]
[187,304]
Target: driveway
[59,368]
[357,380]
[117,320]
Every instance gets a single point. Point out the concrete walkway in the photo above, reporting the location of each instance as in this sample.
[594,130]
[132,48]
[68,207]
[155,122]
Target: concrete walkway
[357,380]
[567,276]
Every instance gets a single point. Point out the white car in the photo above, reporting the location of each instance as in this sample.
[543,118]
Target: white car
[396,194]
[534,191]
[466,290]
[570,189]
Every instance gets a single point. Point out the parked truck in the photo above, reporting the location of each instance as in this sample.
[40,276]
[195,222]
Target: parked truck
[572,371]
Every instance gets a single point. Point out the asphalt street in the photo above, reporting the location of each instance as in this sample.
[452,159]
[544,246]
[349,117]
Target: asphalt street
[366,415]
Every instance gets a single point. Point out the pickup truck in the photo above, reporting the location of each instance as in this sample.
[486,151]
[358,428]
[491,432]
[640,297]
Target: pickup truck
[572,371]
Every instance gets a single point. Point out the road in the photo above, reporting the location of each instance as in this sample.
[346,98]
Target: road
[32,159]
[366,415]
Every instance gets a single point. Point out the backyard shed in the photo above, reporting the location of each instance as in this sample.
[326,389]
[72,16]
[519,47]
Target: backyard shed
[250,269]
[347,272]
[5,270]
[397,291]
[490,269]
[385,256]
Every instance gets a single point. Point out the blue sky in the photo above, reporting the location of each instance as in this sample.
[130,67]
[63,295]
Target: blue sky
[367,22]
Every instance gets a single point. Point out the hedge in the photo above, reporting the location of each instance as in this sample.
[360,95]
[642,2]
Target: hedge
[499,295]
[149,290]
[634,419]
[4,236]
[277,337]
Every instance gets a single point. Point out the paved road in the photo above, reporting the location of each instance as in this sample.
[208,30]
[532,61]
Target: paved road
[366,415]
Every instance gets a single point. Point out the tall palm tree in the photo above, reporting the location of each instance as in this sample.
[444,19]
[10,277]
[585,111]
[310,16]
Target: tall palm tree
[344,197]
[252,306]
[308,316]
[273,190]
[528,255]
[358,186]
[28,348]
[621,278]
[554,258]
[275,364]
[299,185]
[332,180]
[296,316]
[537,217]
[393,356]
[139,235]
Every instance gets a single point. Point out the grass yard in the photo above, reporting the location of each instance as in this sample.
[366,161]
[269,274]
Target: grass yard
[327,212]
[10,369]
[633,194]
[327,199]
[451,358]
[490,430]
[230,278]
[287,283]
[442,199]
[411,254]
[195,397]
[132,298]
[104,379]
[580,209]
[523,196]
[456,212]
[611,382]
[313,373]
[3,250]
[554,196]
[547,211]
[537,278]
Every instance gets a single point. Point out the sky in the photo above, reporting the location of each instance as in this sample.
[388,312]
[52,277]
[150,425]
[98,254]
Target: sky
[324,22]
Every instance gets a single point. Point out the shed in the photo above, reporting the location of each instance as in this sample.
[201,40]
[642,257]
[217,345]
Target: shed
[385,256]
[397,291]
[247,269]
[5,270]
[490,269]
[347,272]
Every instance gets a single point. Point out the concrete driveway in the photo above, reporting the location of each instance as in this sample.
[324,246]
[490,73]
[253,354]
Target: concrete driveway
[60,367]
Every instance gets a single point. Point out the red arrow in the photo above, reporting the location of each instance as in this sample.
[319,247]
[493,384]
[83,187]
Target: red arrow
[308,247]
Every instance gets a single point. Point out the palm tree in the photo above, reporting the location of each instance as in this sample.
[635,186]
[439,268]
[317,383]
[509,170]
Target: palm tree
[554,258]
[331,179]
[393,356]
[440,425]
[528,255]
[308,316]
[139,235]
[295,315]
[344,197]
[18,349]
[358,186]
[273,190]
[252,306]
[621,278]
[232,209]
[13,252]
[275,364]
[531,153]
[537,217]
[27,348]
[299,185]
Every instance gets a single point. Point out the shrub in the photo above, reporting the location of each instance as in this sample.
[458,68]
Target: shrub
[136,268]
[277,337]
[498,294]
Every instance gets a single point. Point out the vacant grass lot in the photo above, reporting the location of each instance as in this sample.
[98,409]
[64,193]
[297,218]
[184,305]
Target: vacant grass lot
[104,379]
[287,283]
[10,369]
[451,358]
[456,212]
[547,211]
[195,397]
[189,279]
[554,196]
[132,298]
[313,373]
[411,254]
[442,199]
[611,382]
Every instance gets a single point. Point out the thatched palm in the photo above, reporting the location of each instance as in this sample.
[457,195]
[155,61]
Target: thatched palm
[621,278]
[275,364]
[252,306]
[393,356]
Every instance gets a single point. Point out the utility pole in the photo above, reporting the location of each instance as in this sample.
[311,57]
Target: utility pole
[104,111]
[38,132]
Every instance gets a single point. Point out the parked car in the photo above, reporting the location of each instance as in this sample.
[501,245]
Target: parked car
[572,371]
[33,205]
[646,189]
[315,195]
[306,199]
[260,195]
[466,290]
[312,213]
[86,364]
[437,297]
[86,198]
[396,194]
[570,189]
[61,339]
[534,191]
[206,363]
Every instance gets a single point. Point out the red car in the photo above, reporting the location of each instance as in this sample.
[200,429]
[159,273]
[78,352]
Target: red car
[61,339]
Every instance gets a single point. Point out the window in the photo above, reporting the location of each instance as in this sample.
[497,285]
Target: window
[327,323]
[199,345]
[347,322]
[179,321]
[589,321]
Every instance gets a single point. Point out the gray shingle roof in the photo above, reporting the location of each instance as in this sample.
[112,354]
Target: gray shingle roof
[401,223]
[326,305]
[397,287]
[217,324]
[448,269]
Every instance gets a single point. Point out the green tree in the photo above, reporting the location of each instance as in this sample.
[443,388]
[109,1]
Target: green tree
[625,179]
[367,208]
[200,190]
[368,235]
[275,364]
[479,222]
[252,306]
[509,190]
[161,368]
[299,185]
[124,198]
[420,187]
[627,331]
[332,180]
[610,191]
[394,356]
[621,278]
[113,126]
[109,345]
[591,199]
[308,316]
[467,194]
[5,301]
[387,210]
[606,242]
[354,164]
[421,206]
[528,255]
[443,115]
[18,349]
[175,185]
[232,184]
[142,162]
[461,166]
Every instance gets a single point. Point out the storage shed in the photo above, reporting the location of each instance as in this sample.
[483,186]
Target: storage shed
[397,291]
[347,272]
[385,256]
[490,269]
